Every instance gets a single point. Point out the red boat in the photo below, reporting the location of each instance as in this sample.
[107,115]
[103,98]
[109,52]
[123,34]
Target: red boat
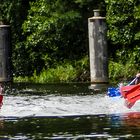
[1,99]
[1,96]
[131,93]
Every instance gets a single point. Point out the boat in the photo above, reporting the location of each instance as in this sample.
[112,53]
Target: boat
[130,92]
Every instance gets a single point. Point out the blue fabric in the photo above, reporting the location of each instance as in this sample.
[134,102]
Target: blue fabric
[113,92]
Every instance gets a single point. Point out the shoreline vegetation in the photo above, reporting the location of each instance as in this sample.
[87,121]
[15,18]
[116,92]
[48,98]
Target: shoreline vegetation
[50,38]
[68,73]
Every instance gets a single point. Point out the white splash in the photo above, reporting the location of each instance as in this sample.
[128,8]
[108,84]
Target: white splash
[52,105]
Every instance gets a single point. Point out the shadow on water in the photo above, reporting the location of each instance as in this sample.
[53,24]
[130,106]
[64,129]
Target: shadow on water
[43,89]
[65,111]
[52,88]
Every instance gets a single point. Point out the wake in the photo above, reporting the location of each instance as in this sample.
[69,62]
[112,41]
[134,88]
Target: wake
[64,105]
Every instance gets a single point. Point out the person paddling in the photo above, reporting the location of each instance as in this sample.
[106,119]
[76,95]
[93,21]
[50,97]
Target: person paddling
[130,104]
[138,79]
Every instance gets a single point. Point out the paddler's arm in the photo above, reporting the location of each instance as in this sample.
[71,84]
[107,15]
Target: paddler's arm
[138,79]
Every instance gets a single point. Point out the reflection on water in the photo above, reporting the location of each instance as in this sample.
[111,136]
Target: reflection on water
[132,119]
[69,111]
[71,127]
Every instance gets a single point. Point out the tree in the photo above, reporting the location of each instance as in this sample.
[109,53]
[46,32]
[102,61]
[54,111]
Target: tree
[55,31]
[124,36]
[123,25]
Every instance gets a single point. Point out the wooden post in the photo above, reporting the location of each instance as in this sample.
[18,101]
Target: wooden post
[98,51]
[5,54]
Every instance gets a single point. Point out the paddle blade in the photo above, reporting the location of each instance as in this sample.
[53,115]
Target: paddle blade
[113,92]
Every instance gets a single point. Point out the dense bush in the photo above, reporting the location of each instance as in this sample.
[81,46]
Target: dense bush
[64,72]
[123,22]
[55,31]
[49,35]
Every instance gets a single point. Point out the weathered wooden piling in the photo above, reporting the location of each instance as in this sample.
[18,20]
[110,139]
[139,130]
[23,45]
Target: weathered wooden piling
[5,54]
[98,51]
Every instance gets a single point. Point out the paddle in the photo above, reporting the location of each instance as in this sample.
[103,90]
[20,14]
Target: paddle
[113,92]
[132,82]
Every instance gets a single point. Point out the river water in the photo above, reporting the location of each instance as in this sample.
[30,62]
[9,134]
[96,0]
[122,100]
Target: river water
[65,111]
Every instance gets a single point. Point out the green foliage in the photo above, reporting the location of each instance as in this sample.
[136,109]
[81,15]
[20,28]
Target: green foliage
[82,67]
[116,70]
[124,36]
[13,13]
[5,8]
[122,17]
[48,33]
[64,72]
[123,29]
[131,55]
[119,71]
[55,31]
[126,66]
[51,32]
